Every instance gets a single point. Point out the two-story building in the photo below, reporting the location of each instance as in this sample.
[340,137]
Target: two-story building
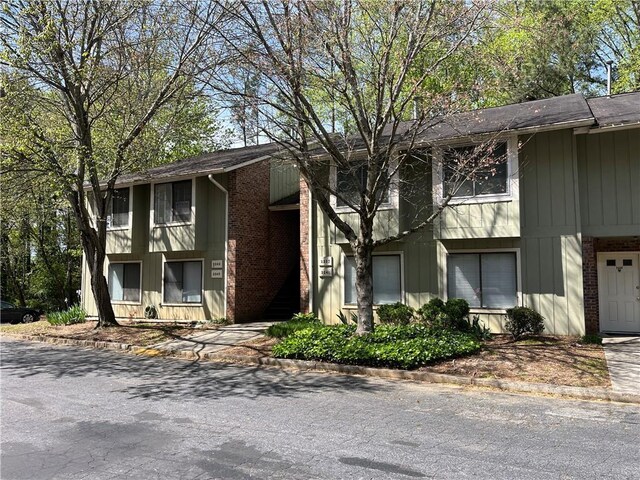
[236,234]
[215,236]
[557,227]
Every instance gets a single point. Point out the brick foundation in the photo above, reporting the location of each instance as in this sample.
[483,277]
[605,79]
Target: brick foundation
[590,248]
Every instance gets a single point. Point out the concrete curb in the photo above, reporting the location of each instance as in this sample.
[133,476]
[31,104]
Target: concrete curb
[581,393]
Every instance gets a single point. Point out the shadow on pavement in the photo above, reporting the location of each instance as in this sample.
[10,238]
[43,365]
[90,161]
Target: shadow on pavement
[162,378]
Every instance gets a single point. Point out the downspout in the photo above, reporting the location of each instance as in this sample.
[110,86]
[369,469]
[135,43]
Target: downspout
[226,237]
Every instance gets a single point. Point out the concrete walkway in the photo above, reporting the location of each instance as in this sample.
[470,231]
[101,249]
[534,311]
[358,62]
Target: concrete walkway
[623,360]
[209,341]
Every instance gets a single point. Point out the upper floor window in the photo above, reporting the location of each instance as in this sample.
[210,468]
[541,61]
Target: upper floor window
[471,171]
[172,202]
[351,181]
[119,209]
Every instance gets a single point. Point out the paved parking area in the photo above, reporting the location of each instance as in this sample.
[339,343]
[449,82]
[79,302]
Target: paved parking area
[623,360]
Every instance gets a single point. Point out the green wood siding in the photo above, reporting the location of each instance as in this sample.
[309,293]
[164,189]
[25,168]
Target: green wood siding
[551,247]
[176,243]
[609,175]
[284,180]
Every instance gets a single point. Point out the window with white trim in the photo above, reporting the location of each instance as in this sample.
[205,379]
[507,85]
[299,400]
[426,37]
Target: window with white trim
[172,202]
[485,280]
[351,181]
[124,282]
[469,171]
[118,215]
[183,282]
[387,281]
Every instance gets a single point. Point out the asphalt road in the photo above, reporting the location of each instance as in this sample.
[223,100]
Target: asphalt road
[70,413]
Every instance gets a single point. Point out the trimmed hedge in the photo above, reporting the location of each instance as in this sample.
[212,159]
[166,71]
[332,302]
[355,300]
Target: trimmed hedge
[393,346]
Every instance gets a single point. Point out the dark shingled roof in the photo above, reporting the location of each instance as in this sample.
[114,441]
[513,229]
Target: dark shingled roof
[616,110]
[215,162]
[565,111]
[568,109]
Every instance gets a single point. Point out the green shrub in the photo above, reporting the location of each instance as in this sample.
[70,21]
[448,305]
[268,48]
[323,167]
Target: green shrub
[457,311]
[343,318]
[394,346]
[432,311]
[523,321]
[591,339]
[395,314]
[451,315]
[477,330]
[299,321]
[305,317]
[68,317]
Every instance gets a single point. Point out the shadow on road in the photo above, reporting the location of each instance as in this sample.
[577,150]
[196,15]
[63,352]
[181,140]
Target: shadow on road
[161,378]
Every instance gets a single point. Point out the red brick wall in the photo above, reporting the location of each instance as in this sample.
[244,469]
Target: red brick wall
[305,266]
[263,245]
[590,248]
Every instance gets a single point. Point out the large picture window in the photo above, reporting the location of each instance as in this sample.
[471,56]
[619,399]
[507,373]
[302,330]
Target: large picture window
[387,282]
[485,280]
[351,181]
[183,282]
[172,202]
[119,209]
[465,176]
[124,282]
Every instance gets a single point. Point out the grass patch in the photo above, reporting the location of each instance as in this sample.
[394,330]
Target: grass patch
[393,346]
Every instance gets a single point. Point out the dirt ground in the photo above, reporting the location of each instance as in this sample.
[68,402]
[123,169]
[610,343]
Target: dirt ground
[142,334]
[545,359]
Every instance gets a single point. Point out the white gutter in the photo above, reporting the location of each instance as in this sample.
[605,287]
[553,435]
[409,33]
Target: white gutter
[226,237]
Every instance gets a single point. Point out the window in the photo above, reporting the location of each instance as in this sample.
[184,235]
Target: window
[387,283]
[465,176]
[485,280]
[183,282]
[124,282]
[172,202]
[351,181]
[119,209]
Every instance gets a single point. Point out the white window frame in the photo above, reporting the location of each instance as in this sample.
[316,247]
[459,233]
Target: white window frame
[182,260]
[391,204]
[124,302]
[513,188]
[445,276]
[152,215]
[377,254]
[129,218]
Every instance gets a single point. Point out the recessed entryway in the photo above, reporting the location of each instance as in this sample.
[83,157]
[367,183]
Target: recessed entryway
[619,291]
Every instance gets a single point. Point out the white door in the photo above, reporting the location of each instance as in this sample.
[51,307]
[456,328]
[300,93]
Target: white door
[619,291]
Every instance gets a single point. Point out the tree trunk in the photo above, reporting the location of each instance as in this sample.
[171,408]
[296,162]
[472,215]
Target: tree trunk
[364,288]
[94,248]
[99,287]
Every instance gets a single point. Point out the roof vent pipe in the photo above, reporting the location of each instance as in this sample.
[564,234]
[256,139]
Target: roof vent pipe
[609,63]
